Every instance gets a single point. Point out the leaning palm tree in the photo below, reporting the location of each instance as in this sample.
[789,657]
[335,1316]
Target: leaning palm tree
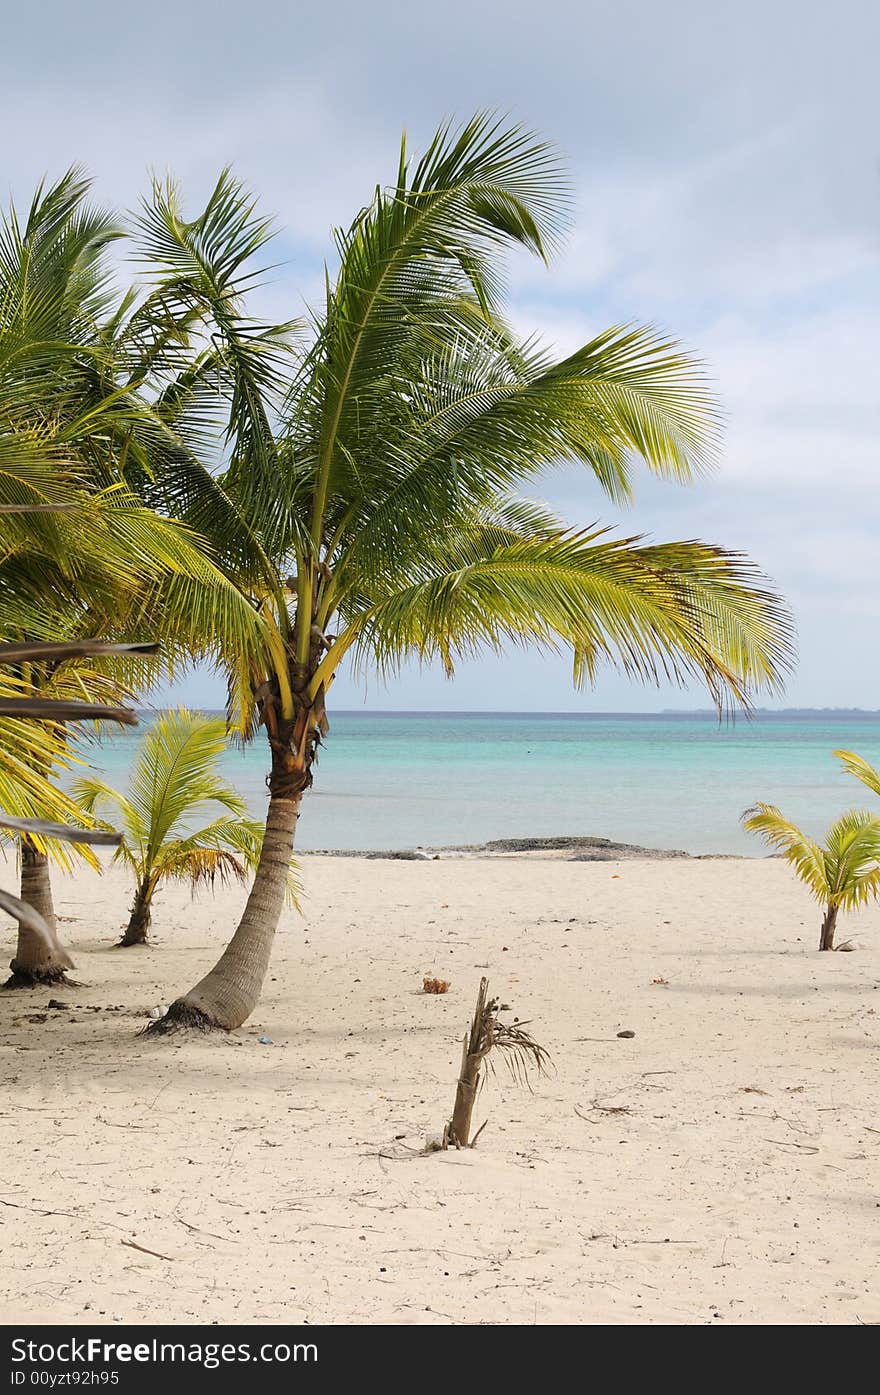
[368,508]
[169,819]
[841,874]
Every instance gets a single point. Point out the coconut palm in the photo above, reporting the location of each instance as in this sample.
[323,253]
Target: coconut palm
[368,507]
[171,827]
[841,874]
[82,368]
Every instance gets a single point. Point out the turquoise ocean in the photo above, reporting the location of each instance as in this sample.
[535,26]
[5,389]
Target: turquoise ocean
[407,780]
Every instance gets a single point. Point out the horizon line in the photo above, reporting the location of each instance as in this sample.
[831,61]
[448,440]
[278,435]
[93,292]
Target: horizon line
[566,712]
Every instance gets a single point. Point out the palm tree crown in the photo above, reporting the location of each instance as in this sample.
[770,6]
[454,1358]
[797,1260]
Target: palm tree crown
[373,462]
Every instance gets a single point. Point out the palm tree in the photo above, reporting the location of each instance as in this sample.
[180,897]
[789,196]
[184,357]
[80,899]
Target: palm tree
[170,829]
[842,874]
[368,508]
[82,369]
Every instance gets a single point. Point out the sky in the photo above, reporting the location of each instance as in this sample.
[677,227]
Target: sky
[726,167]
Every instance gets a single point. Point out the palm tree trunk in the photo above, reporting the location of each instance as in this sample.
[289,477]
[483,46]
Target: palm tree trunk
[227,996]
[35,961]
[826,940]
[139,921]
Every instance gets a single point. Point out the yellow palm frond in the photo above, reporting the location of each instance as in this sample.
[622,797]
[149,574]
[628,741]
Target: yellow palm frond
[844,871]
[855,765]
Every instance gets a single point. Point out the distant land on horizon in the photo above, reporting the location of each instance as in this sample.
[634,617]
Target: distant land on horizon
[569,712]
[777,712]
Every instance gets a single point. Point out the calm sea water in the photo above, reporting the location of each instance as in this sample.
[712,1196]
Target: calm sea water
[403,780]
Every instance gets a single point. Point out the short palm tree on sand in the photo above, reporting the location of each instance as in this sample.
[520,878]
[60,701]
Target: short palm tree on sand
[842,874]
[168,819]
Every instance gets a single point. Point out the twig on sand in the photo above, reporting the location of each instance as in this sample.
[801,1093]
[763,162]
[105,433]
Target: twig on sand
[197,1230]
[603,1109]
[145,1250]
[73,1215]
[37,1210]
[794,1124]
[667,1240]
[112,1124]
[789,1143]
[402,1153]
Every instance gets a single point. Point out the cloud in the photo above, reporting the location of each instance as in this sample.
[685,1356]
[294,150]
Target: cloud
[725,166]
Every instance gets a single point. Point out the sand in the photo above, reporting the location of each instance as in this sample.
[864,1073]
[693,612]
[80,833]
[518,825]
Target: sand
[719,1166]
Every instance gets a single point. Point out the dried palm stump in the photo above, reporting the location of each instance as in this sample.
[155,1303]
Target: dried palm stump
[487,1031]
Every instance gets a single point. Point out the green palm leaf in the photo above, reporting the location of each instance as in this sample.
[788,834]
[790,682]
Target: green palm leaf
[844,872]
[862,770]
[169,815]
[673,611]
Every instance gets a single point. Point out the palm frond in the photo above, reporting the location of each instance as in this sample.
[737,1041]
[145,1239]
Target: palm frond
[168,815]
[801,852]
[844,872]
[853,858]
[856,765]
[673,611]
[206,263]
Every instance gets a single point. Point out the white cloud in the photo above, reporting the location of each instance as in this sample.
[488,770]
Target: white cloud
[725,159]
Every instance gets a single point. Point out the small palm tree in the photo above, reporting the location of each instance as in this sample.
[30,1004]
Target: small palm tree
[173,785]
[842,875]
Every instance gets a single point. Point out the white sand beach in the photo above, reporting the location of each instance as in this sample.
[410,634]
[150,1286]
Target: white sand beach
[719,1166]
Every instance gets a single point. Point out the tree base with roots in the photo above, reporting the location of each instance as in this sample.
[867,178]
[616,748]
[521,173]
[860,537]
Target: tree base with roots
[131,941]
[180,1017]
[21,977]
[40,960]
